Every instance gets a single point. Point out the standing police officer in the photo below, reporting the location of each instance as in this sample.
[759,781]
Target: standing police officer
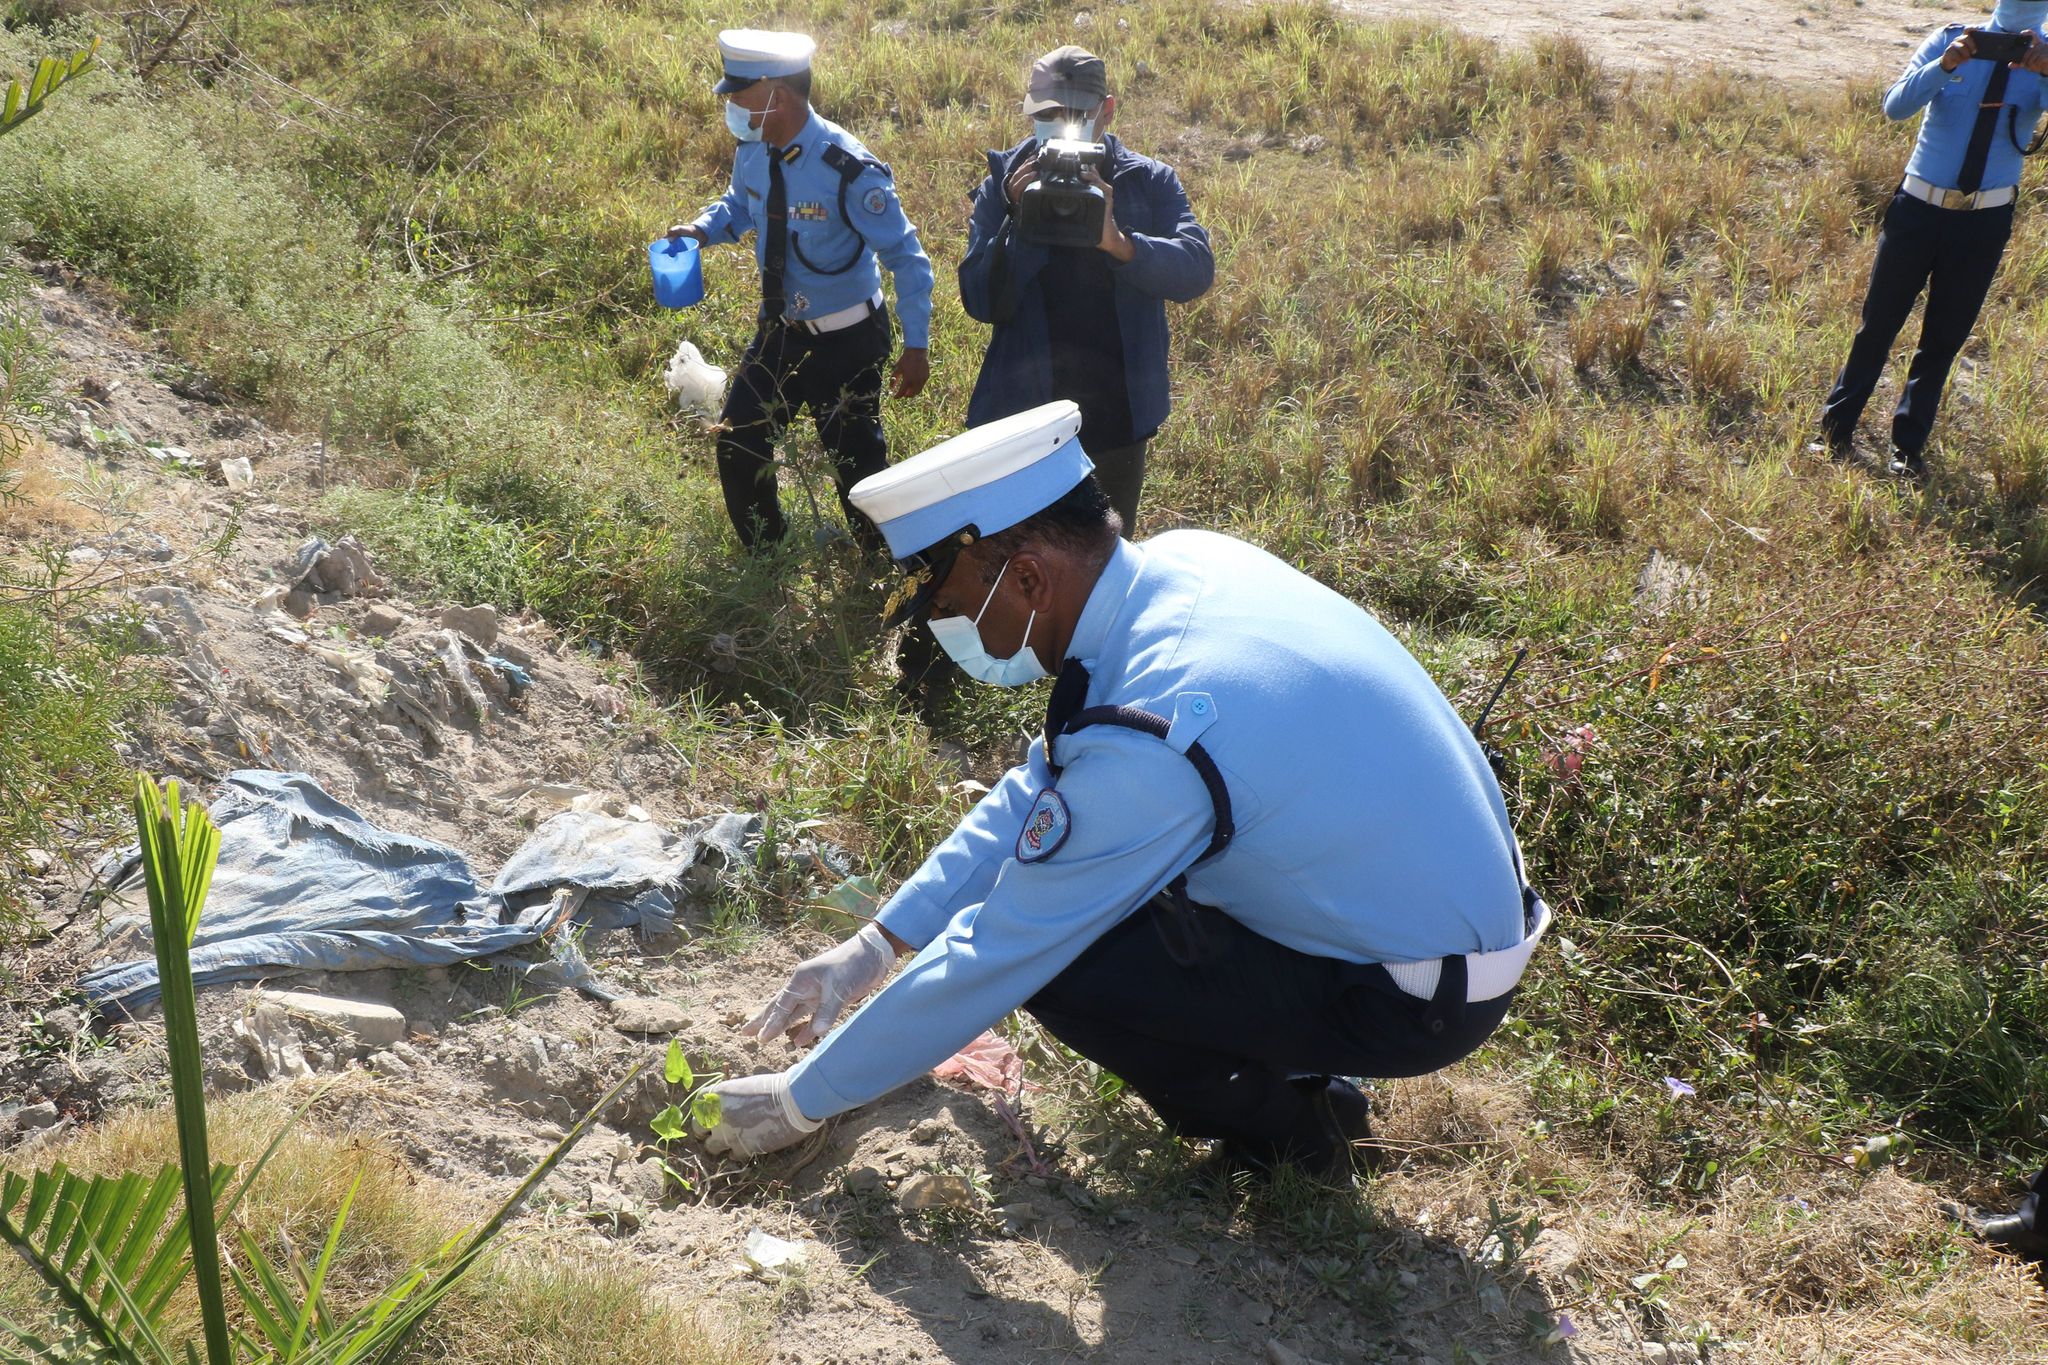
[1254,850]
[822,211]
[1084,323]
[1947,225]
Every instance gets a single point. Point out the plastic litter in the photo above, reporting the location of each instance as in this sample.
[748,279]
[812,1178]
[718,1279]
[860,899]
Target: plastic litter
[678,268]
[698,386]
[306,883]
[237,472]
[987,1062]
[772,1257]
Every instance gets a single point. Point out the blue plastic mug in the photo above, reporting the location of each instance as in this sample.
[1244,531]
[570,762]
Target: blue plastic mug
[678,271]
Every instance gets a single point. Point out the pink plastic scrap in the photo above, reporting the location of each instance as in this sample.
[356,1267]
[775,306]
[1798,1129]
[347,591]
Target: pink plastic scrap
[988,1062]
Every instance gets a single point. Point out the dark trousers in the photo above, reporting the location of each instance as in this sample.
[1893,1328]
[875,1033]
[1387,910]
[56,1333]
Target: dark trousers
[838,376]
[1209,1022]
[1953,254]
[1121,472]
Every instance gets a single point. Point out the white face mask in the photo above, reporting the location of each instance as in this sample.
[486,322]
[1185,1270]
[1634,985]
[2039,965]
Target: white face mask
[2017,16]
[739,121]
[961,638]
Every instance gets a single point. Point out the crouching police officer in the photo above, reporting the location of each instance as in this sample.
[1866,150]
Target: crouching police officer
[1947,225]
[822,211]
[1254,850]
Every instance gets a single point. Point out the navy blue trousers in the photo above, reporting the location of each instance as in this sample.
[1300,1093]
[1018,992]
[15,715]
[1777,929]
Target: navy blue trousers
[1952,254]
[838,376]
[1209,1022]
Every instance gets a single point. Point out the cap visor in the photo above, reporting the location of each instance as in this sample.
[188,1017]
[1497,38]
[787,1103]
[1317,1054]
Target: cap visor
[732,85]
[918,607]
[1033,108]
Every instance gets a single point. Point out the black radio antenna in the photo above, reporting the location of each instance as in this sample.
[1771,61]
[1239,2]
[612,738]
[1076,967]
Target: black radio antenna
[1479,726]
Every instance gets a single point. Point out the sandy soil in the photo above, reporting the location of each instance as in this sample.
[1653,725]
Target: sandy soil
[1822,42]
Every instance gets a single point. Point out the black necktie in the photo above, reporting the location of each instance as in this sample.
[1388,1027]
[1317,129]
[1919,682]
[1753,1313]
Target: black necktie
[778,240]
[1972,175]
[1067,695]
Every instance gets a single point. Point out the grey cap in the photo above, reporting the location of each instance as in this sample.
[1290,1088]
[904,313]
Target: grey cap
[1066,78]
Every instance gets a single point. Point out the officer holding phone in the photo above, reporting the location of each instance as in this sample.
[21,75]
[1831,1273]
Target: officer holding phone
[1947,225]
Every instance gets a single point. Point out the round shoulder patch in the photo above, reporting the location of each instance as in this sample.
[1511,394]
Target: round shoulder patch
[875,200]
[1045,829]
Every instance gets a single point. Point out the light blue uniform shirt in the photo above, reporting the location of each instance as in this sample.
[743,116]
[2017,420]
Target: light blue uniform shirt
[821,241]
[1951,100]
[1369,827]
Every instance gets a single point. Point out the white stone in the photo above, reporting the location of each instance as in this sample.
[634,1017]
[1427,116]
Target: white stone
[372,1024]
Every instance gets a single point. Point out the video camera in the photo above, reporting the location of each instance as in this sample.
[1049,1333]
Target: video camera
[1060,208]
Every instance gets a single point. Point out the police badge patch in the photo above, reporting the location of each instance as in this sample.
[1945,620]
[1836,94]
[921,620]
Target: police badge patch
[1045,829]
[875,201]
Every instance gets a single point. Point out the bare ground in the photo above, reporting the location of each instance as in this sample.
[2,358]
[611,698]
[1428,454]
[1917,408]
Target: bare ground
[1089,1243]
[1808,42]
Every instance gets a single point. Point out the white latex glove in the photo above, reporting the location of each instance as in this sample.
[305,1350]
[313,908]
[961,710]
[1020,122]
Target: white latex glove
[821,989]
[756,1116]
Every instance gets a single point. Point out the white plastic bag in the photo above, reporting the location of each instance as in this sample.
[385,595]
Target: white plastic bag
[698,386]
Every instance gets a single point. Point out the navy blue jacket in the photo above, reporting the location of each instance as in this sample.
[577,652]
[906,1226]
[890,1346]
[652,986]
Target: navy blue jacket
[998,276]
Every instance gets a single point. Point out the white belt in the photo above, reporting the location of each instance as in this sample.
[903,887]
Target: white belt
[1488,976]
[844,318]
[1956,199]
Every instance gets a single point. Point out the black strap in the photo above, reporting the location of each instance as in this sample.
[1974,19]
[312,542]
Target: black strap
[2012,133]
[849,167]
[1157,726]
[777,262]
[1971,176]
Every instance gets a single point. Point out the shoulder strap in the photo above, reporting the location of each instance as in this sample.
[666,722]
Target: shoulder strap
[849,166]
[1157,726]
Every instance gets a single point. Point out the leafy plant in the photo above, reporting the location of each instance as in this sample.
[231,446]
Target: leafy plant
[51,73]
[700,1105]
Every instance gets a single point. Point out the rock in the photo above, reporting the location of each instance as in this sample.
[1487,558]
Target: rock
[927,1190]
[372,1025]
[954,758]
[479,623]
[1020,1217]
[864,1180]
[1181,1255]
[64,1023]
[1259,1314]
[928,1131]
[383,621]
[237,473]
[37,862]
[1279,1354]
[1410,1281]
[648,1014]
[388,1064]
[620,1216]
[645,1180]
[343,569]
[32,1117]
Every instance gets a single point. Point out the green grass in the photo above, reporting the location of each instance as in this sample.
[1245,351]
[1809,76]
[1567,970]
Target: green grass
[1507,331]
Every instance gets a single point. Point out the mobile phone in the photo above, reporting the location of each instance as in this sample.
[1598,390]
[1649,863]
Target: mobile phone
[2000,47]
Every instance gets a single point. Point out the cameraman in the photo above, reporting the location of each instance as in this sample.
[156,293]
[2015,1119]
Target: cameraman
[1086,324]
[1948,223]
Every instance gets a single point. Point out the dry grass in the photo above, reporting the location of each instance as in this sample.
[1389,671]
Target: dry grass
[533,1304]
[38,502]
[1795,1260]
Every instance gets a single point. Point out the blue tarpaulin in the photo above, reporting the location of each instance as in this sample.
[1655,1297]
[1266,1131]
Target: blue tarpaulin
[307,884]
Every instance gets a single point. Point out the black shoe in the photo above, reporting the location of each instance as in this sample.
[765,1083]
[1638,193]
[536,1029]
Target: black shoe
[1908,465]
[1840,452]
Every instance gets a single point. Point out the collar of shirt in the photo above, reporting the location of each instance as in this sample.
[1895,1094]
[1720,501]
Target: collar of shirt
[1105,602]
[803,136]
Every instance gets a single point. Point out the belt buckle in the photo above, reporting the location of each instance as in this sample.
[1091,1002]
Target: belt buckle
[1955,199]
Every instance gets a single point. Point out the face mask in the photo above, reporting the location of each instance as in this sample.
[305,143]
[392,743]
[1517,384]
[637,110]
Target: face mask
[739,121]
[2017,16]
[961,638]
